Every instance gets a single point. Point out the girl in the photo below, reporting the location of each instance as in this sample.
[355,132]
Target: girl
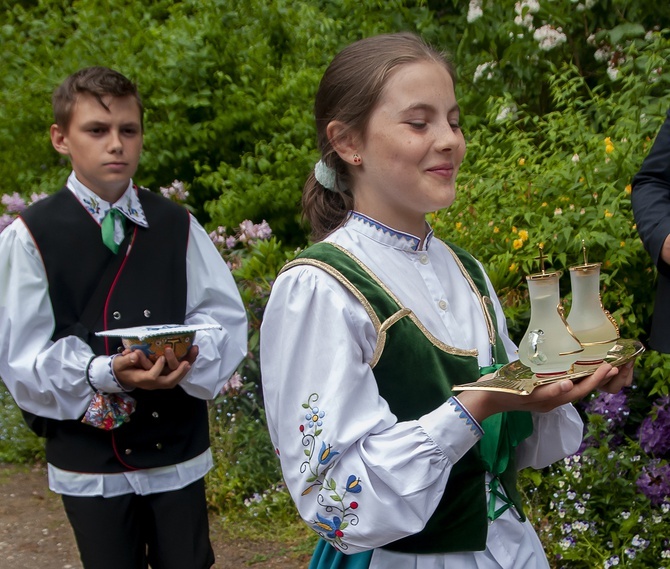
[367,330]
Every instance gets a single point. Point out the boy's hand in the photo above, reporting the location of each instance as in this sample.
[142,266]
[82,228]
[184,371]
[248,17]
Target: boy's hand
[134,370]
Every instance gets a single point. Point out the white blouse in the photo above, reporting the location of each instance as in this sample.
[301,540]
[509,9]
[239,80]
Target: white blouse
[384,478]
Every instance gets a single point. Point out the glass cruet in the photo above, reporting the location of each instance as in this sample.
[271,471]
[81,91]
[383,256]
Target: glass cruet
[590,322]
[548,346]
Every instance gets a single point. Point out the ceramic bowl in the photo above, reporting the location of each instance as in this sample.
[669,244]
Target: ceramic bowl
[154,346]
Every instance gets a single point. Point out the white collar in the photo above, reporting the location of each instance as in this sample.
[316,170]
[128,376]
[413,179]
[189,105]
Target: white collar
[385,234]
[128,204]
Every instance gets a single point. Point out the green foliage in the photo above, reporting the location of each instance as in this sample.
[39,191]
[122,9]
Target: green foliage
[246,479]
[555,134]
[588,509]
[18,444]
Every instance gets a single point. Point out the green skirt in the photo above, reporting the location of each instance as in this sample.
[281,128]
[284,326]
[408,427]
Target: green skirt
[327,557]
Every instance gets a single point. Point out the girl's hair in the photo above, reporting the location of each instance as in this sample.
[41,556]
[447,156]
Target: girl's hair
[97,81]
[349,91]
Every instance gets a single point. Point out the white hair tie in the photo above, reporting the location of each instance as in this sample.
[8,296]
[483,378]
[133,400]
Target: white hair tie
[325,175]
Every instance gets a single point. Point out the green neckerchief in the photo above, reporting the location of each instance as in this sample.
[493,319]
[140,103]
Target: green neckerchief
[502,434]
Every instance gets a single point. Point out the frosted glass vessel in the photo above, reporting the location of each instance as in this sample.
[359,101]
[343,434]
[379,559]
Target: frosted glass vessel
[589,321]
[548,346]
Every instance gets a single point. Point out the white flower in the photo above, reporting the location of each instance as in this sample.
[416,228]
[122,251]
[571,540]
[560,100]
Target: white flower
[475,11]
[525,21]
[532,5]
[549,37]
[612,72]
[590,3]
[484,68]
[575,157]
[506,111]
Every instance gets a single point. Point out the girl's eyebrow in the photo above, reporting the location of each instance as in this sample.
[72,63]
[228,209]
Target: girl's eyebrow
[426,107]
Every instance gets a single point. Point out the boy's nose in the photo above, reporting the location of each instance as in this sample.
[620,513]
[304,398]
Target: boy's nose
[115,144]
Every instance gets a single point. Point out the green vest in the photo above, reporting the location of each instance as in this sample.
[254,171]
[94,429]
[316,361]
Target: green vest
[415,372]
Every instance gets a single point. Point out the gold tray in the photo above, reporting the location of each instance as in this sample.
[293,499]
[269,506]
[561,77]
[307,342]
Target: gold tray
[518,379]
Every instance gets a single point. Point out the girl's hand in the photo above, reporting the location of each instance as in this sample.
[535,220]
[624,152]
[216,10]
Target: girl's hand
[482,404]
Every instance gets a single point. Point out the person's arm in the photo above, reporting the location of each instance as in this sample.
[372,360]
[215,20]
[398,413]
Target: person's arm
[45,378]
[212,298]
[651,200]
[331,428]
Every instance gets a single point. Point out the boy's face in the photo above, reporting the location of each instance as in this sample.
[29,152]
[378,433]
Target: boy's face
[103,145]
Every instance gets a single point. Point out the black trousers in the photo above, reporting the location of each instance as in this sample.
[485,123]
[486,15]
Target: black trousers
[169,530]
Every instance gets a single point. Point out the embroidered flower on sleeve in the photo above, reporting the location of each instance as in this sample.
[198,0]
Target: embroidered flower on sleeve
[337,510]
[314,417]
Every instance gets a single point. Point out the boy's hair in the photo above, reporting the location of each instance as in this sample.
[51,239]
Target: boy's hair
[349,92]
[96,81]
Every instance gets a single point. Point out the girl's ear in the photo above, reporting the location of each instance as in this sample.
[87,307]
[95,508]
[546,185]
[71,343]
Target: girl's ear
[343,140]
[59,140]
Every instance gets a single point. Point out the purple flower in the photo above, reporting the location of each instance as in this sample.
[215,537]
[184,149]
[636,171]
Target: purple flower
[654,433]
[263,230]
[14,203]
[654,482]
[612,406]
[35,197]
[5,220]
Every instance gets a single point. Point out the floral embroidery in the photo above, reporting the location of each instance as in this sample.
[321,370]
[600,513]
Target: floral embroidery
[91,204]
[314,417]
[337,508]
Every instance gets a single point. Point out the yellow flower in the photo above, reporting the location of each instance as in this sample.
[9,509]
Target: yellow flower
[608,213]
[513,267]
[609,148]
[544,204]
[622,244]
[458,225]
[581,180]
[496,230]
[523,235]
[514,230]
[629,189]
[522,161]
[608,140]
[517,243]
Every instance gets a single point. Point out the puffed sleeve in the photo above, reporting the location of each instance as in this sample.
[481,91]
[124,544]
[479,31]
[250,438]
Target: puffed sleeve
[212,298]
[358,476]
[45,378]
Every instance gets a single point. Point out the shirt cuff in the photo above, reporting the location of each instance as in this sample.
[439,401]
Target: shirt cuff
[452,428]
[101,375]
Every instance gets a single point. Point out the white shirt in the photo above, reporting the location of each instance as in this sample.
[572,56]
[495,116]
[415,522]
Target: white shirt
[322,401]
[48,378]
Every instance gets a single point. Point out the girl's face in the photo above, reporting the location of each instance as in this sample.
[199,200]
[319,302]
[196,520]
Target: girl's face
[412,149]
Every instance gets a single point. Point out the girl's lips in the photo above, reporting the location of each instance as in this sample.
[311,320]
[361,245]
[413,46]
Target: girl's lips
[445,170]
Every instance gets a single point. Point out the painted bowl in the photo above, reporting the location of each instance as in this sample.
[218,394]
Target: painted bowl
[154,339]
[154,346]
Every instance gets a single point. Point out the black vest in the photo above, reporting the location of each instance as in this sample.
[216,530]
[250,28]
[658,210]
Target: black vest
[168,426]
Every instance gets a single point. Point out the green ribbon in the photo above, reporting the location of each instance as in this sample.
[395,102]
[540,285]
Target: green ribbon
[502,434]
[108,225]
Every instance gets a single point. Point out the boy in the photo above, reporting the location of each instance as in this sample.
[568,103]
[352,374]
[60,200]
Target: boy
[134,494]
